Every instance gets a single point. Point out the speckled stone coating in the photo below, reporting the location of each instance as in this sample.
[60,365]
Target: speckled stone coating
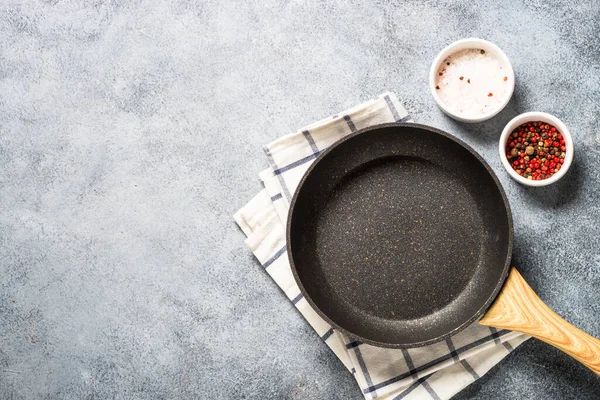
[400,235]
[131,131]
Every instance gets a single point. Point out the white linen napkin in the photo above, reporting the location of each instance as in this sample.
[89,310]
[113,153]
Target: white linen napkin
[438,371]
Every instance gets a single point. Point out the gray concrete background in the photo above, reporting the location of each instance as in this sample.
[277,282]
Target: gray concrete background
[130,132]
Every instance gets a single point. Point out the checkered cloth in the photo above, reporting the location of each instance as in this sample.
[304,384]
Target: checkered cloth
[438,371]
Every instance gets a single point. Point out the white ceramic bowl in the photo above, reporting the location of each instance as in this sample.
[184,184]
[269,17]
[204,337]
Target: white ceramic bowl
[549,119]
[471,43]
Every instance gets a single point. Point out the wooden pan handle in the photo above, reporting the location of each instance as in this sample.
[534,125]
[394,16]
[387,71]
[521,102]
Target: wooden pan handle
[518,308]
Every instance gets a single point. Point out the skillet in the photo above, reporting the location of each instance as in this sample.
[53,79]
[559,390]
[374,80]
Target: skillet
[401,235]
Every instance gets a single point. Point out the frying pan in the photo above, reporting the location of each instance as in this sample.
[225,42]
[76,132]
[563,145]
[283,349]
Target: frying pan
[401,235]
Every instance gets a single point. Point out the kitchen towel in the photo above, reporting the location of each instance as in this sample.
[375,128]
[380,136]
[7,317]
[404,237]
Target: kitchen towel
[438,371]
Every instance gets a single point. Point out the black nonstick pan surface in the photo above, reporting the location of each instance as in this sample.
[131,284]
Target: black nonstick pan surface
[400,235]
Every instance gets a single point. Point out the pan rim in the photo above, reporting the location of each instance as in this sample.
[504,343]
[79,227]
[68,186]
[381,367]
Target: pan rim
[507,263]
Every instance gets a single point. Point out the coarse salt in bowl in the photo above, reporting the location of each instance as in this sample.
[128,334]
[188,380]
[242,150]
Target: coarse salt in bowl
[471,80]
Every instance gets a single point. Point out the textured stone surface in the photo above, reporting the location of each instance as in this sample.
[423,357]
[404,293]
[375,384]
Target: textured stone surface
[130,132]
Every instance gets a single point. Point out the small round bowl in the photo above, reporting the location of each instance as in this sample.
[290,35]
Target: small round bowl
[530,117]
[471,43]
